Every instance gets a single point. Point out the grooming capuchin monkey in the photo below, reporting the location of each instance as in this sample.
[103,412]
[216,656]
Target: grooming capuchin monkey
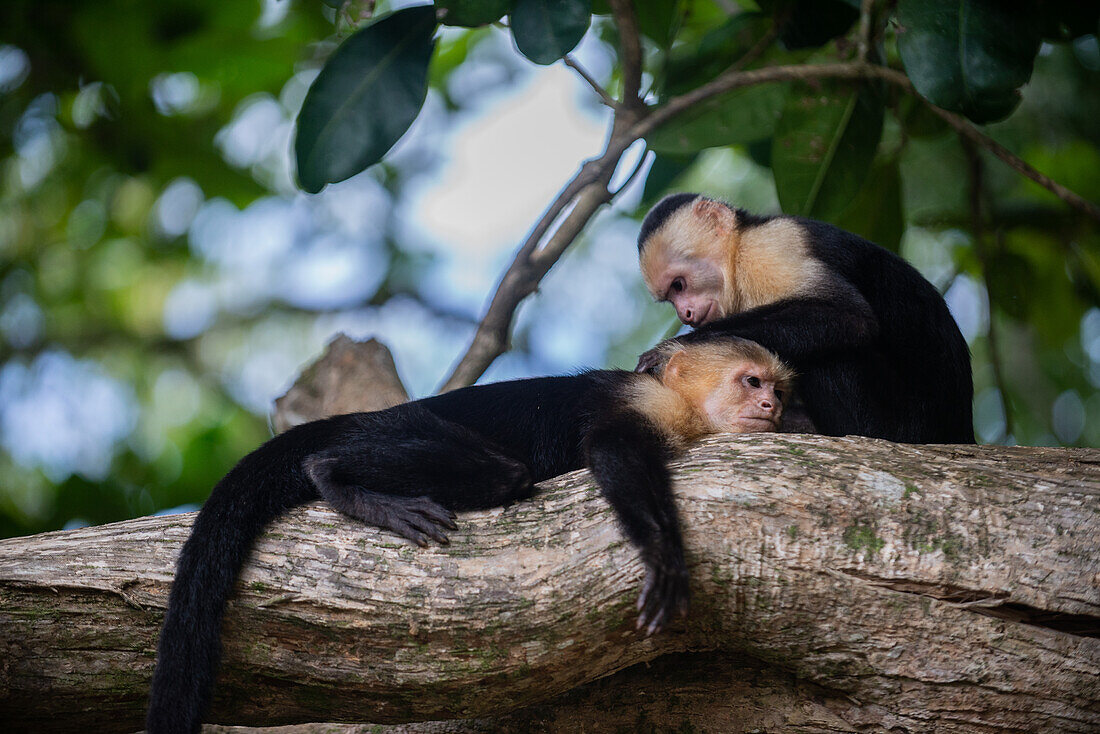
[875,347]
[411,467]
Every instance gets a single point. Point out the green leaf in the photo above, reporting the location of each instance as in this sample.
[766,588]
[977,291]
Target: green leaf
[658,19]
[813,23]
[969,56]
[741,116]
[471,13]
[876,212]
[918,120]
[697,61]
[365,98]
[546,30]
[823,147]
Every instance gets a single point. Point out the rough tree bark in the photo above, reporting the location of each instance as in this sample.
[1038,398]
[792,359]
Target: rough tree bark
[914,587]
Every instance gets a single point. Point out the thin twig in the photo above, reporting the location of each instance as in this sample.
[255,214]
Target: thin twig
[975,192]
[606,98]
[757,49]
[866,13]
[630,51]
[736,79]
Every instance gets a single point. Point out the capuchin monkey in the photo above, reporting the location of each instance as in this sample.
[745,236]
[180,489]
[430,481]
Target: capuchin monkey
[875,347]
[409,468]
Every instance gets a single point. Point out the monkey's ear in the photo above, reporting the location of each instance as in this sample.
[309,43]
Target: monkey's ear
[674,368]
[715,213]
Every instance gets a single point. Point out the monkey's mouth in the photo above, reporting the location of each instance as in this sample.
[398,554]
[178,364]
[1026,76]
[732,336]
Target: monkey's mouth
[757,423]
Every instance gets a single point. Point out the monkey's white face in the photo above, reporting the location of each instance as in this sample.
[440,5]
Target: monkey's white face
[694,287]
[747,400]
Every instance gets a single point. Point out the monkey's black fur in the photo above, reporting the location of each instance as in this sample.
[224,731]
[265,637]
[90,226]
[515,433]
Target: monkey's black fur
[876,350]
[407,469]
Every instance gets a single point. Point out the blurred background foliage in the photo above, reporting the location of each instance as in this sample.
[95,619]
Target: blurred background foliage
[162,278]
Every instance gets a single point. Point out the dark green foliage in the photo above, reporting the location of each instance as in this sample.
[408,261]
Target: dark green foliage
[546,30]
[365,98]
[1064,20]
[823,146]
[659,20]
[969,56]
[812,23]
[472,13]
[696,61]
[876,211]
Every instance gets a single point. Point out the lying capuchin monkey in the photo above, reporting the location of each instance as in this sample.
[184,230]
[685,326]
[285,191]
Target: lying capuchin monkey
[409,468]
[876,350]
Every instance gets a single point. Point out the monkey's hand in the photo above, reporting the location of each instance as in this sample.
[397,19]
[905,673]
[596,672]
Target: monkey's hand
[655,359]
[665,594]
[415,518]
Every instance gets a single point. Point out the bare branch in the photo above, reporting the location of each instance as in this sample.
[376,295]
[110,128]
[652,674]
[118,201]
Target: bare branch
[526,270]
[523,275]
[630,51]
[737,79]
[982,140]
[606,98]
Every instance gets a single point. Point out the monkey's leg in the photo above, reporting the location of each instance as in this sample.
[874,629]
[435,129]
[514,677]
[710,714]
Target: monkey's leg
[415,518]
[628,459]
[416,453]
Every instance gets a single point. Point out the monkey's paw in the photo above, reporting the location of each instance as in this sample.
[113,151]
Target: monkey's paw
[649,361]
[416,518]
[655,359]
[665,594]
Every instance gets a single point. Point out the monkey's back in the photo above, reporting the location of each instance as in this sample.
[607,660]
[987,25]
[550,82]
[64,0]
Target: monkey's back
[541,421]
[926,359]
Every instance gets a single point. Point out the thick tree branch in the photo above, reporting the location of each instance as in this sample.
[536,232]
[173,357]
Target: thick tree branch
[940,589]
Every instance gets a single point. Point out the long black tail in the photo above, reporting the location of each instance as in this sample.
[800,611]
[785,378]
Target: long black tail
[264,485]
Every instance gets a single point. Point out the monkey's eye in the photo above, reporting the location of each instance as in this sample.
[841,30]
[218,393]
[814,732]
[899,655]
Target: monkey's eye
[753,381]
[779,395]
[677,286]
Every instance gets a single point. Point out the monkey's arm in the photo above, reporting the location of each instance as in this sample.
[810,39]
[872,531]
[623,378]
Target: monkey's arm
[799,327]
[795,328]
[628,458]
